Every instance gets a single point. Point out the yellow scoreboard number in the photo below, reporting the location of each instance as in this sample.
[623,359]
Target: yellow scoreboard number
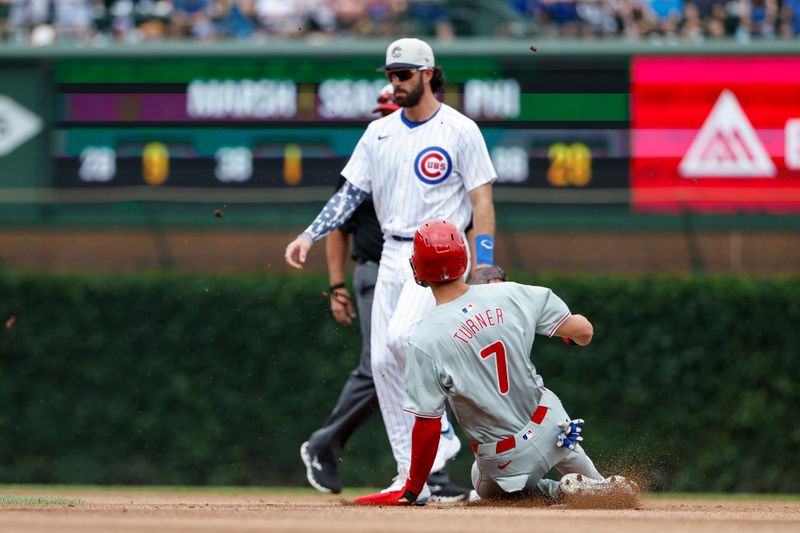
[155,163]
[570,164]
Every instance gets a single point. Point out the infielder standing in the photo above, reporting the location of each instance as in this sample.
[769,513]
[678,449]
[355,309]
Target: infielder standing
[358,399]
[473,349]
[425,161]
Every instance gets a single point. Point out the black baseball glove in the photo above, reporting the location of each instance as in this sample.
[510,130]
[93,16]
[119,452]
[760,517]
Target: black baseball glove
[487,274]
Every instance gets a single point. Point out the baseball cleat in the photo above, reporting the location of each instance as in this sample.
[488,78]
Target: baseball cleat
[611,492]
[398,482]
[320,472]
[449,445]
[443,490]
[447,494]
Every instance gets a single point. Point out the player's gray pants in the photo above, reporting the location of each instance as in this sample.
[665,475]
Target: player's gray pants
[358,399]
[534,454]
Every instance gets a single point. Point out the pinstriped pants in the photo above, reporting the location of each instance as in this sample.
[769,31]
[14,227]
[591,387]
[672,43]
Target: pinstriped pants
[398,306]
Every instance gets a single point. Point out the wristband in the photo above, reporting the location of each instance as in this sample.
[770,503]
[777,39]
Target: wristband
[484,246]
[340,285]
[409,496]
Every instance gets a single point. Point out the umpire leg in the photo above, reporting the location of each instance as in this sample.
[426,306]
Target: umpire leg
[358,399]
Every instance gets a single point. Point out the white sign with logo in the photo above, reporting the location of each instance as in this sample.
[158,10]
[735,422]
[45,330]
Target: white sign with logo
[727,146]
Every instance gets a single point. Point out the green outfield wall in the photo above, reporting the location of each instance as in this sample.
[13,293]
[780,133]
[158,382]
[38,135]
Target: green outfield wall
[691,384]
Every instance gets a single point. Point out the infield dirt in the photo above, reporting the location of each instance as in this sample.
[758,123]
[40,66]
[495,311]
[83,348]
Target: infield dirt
[123,511]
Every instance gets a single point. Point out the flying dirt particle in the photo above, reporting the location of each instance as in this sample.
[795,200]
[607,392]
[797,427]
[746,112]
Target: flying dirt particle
[534,48]
[218,213]
[341,461]
[10,322]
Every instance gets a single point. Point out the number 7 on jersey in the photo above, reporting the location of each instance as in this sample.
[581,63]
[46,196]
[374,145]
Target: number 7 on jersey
[498,349]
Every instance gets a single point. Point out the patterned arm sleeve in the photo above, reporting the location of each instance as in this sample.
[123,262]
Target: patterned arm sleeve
[336,212]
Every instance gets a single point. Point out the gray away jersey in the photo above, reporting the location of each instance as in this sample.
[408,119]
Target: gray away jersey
[476,351]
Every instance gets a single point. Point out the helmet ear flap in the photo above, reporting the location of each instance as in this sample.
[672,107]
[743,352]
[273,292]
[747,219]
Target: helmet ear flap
[420,282]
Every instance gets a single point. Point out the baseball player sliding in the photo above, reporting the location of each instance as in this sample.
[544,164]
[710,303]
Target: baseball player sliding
[424,161]
[473,349]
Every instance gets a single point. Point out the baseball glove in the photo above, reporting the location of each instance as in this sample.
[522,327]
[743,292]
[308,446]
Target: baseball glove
[488,274]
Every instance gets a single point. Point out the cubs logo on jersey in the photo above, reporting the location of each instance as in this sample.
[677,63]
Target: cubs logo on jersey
[433,165]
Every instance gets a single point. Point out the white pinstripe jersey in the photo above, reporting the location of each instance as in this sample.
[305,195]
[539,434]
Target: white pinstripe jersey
[417,171]
[476,351]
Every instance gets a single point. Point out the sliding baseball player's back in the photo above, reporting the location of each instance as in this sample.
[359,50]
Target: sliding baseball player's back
[476,351]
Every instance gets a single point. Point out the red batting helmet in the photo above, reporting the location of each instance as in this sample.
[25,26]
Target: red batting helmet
[386,100]
[440,253]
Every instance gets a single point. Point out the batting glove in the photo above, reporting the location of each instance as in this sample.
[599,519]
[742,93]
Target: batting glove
[395,497]
[570,434]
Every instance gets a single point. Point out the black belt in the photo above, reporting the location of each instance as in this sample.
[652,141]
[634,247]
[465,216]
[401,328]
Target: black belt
[399,238]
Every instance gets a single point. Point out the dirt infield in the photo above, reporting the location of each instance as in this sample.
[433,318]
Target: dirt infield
[123,511]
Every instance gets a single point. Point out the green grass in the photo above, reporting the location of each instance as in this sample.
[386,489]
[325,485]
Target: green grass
[10,499]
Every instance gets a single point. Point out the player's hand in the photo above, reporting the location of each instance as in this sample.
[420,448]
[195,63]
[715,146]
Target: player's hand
[342,307]
[486,274]
[297,251]
[570,434]
[395,497]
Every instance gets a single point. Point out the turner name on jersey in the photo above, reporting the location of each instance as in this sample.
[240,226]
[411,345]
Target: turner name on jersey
[420,170]
[479,321]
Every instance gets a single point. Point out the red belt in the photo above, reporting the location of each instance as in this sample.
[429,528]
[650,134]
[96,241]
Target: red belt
[510,443]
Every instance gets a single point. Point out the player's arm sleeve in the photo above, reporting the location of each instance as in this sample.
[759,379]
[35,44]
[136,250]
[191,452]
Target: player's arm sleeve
[349,226]
[477,168]
[358,170]
[337,211]
[425,395]
[550,311]
[424,443]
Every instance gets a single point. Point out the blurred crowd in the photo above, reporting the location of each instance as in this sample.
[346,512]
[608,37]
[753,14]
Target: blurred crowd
[41,22]
[679,20]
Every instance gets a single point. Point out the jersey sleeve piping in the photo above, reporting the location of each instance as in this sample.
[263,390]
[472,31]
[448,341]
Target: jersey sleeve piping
[423,415]
[558,324]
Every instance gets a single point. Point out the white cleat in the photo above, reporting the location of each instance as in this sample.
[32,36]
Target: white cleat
[473,496]
[424,496]
[399,481]
[449,445]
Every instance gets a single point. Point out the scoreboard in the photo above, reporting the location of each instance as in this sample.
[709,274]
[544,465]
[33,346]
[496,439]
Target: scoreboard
[272,124]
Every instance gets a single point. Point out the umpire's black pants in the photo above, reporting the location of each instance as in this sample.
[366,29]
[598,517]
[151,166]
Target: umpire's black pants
[358,399]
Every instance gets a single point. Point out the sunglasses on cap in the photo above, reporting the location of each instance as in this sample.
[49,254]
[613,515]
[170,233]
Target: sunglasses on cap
[404,74]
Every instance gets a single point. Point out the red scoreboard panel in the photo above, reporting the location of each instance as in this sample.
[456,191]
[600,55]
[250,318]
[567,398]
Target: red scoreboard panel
[715,134]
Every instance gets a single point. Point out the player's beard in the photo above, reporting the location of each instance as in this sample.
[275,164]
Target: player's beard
[411,98]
